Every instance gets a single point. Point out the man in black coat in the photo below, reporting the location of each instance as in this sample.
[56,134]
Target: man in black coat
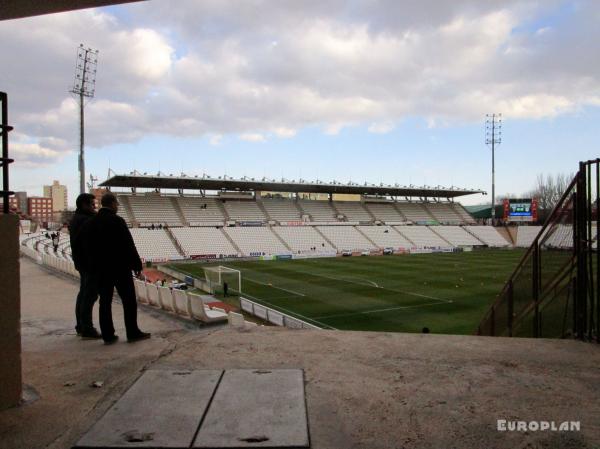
[113,256]
[88,282]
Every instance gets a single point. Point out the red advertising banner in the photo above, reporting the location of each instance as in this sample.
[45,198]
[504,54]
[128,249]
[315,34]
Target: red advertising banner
[506,205]
[534,211]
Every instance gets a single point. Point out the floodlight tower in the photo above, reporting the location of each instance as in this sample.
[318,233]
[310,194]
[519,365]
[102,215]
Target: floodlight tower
[493,137]
[84,87]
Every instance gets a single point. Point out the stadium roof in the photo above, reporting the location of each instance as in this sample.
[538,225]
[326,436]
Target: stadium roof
[267,185]
[14,9]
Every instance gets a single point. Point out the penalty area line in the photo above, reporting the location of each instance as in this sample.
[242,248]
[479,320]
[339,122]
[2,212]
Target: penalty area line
[374,284]
[273,286]
[389,309]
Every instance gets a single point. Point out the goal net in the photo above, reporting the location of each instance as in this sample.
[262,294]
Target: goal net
[223,280]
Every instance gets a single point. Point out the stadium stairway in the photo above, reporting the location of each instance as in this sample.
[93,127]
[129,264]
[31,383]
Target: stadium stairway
[223,210]
[175,241]
[504,232]
[297,205]
[316,228]
[337,212]
[371,214]
[367,237]
[440,236]
[178,210]
[462,213]
[428,212]
[228,237]
[395,204]
[283,242]
[512,233]
[124,201]
[403,236]
[261,206]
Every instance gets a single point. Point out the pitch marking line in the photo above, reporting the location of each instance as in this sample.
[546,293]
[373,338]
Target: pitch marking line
[290,312]
[352,281]
[339,315]
[273,286]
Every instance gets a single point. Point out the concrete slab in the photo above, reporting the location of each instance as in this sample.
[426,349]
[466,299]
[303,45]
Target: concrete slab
[256,408]
[161,409]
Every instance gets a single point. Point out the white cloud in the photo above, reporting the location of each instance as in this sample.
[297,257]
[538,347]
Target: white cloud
[285,133]
[253,137]
[32,155]
[216,139]
[256,69]
[381,127]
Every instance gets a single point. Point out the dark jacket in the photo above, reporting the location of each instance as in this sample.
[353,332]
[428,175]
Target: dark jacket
[110,245]
[77,230]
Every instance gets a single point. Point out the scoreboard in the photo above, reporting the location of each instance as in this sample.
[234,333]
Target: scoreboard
[520,210]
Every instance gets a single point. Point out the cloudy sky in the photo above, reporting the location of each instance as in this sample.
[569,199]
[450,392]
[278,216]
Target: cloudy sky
[373,90]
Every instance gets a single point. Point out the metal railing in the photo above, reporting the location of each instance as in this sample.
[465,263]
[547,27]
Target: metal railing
[5,193]
[553,291]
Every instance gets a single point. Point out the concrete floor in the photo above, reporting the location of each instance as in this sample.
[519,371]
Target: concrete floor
[364,390]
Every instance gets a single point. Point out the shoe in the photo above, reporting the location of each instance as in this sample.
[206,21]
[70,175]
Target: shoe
[140,336]
[78,331]
[90,335]
[111,340]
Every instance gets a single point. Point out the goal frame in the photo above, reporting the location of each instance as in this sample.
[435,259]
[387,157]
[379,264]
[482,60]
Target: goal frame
[218,282]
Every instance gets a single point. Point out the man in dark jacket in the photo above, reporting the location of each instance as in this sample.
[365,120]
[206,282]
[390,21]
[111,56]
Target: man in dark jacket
[88,287]
[113,256]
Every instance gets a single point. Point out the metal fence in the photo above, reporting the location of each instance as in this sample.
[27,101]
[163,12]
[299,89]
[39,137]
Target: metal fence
[553,292]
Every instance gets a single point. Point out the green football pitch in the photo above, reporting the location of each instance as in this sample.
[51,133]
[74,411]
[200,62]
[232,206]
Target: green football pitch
[445,292]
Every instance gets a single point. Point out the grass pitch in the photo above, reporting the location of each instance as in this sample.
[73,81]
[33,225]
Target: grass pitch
[448,292]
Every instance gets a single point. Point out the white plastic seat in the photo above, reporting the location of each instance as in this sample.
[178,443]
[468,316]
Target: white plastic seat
[236,319]
[153,298]
[166,299]
[202,313]
[182,302]
[140,291]
[218,309]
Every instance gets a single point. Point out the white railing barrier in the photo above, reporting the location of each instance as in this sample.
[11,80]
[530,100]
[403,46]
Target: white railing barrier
[274,316]
[55,262]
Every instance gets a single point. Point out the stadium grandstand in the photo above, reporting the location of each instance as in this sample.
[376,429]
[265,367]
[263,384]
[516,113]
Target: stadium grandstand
[175,218]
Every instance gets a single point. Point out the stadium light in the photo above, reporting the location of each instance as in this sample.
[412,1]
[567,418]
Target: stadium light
[84,86]
[493,137]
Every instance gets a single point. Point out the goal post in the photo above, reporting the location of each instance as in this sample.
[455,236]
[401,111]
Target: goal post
[220,276]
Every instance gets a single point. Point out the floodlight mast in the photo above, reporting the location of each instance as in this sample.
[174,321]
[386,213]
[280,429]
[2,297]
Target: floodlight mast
[493,137]
[84,86]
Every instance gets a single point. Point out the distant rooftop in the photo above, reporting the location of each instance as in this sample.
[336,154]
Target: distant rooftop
[245,184]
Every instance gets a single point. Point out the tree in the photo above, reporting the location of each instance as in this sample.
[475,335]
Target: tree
[549,189]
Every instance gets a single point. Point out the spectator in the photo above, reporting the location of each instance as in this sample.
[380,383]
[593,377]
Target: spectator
[88,282]
[55,240]
[113,256]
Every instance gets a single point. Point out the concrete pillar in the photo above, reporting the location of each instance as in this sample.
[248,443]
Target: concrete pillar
[10,313]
